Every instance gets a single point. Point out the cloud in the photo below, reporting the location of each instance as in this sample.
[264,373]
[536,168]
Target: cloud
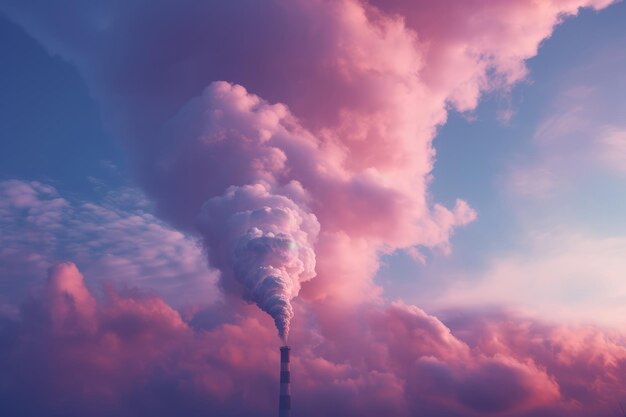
[570,277]
[580,135]
[569,148]
[480,45]
[116,238]
[131,354]
[328,108]
[412,68]
[335,111]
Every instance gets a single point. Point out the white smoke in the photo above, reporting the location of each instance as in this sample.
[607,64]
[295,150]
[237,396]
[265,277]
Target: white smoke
[264,242]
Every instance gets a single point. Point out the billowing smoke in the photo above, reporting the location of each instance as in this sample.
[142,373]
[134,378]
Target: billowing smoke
[264,242]
[319,134]
[325,182]
[252,215]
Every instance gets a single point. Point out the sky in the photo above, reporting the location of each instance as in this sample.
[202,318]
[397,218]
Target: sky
[424,199]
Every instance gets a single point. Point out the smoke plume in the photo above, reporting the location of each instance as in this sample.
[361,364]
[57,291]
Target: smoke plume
[318,138]
[313,155]
[264,242]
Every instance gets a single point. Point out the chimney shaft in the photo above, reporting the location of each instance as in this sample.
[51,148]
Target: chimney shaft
[285,393]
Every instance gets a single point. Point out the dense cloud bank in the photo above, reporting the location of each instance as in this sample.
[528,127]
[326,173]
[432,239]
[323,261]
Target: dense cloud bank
[331,105]
[294,138]
[130,354]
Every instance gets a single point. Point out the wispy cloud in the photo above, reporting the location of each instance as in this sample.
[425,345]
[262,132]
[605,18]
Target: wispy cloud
[564,275]
[116,238]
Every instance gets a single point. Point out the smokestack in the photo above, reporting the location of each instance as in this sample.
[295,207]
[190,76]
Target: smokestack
[285,395]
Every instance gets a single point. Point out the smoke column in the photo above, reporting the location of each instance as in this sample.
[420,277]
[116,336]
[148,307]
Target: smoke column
[264,242]
[348,137]
[226,153]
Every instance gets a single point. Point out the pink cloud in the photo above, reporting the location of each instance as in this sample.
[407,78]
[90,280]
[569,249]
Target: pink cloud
[566,275]
[132,354]
[327,109]
[335,110]
[465,41]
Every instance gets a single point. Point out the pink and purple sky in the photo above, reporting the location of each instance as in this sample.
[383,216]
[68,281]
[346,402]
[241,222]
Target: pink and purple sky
[426,199]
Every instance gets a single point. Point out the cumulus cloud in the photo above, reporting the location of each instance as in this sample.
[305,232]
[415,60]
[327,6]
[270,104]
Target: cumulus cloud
[296,138]
[132,354]
[366,86]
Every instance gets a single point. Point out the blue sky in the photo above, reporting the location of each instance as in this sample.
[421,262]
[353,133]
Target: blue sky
[477,152]
[51,126]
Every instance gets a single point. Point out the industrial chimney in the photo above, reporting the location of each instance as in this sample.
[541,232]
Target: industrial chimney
[285,395]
